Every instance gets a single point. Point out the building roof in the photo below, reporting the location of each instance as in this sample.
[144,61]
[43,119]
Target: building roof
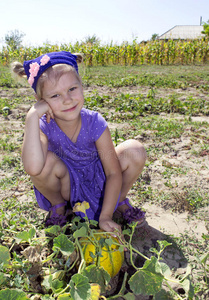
[183,32]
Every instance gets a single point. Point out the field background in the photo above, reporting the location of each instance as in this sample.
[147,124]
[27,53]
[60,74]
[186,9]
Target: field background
[164,106]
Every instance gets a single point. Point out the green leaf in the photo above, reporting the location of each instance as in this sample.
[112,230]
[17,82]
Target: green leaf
[47,297]
[80,232]
[4,255]
[163,295]
[76,219]
[98,275]
[65,296]
[154,250]
[58,285]
[121,248]
[204,258]
[26,236]
[164,244]
[60,274]
[63,244]
[109,241]
[147,280]
[187,286]
[166,271]
[9,294]
[53,230]
[129,296]
[188,272]
[126,232]
[22,236]
[80,287]
[3,278]
[47,282]
[55,285]
[205,236]
[93,222]
[152,265]
[31,233]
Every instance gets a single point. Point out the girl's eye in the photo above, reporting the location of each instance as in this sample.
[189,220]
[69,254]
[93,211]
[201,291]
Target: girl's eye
[72,89]
[55,96]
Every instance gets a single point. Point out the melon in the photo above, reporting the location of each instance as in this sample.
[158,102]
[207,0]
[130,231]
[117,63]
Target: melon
[111,258]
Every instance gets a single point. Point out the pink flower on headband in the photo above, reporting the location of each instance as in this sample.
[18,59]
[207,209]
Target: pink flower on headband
[34,68]
[31,80]
[44,60]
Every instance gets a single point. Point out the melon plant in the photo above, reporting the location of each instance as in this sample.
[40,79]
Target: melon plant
[104,251]
[78,261]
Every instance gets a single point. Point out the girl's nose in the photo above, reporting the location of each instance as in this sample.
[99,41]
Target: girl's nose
[67,98]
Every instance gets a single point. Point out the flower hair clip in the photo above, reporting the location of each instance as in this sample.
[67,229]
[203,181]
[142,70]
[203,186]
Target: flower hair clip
[34,68]
[45,59]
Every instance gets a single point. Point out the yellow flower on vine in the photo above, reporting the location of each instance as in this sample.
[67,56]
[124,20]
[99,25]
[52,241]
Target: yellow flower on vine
[81,207]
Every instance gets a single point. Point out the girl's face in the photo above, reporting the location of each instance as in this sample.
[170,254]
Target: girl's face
[65,96]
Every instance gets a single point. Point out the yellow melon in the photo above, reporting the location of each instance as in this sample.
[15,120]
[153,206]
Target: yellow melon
[111,259]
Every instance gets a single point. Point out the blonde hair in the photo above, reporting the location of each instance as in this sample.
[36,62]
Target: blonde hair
[52,73]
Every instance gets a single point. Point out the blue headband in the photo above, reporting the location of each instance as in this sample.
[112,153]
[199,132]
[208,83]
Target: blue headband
[34,68]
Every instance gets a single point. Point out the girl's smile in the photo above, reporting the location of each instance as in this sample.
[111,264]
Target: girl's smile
[65,97]
[70,109]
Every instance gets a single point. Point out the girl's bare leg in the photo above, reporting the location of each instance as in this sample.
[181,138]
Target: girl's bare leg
[54,181]
[132,157]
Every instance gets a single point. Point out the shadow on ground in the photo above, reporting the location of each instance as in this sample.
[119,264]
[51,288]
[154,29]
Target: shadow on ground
[145,238]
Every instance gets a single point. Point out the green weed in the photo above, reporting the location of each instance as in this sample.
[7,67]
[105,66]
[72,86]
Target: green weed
[155,76]
[122,94]
[54,274]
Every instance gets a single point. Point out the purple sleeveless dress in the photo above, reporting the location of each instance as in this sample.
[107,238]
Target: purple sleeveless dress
[87,177]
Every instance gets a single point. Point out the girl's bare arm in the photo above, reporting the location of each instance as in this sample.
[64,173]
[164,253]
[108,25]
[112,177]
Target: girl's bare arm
[113,185]
[35,143]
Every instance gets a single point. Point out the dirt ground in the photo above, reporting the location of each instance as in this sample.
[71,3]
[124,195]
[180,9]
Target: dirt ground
[164,218]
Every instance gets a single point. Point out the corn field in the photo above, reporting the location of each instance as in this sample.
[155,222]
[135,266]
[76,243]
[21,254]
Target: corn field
[156,52]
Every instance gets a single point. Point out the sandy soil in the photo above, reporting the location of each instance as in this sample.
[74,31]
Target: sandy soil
[164,218]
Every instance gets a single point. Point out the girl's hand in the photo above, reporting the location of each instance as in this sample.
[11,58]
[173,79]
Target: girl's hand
[107,224]
[41,107]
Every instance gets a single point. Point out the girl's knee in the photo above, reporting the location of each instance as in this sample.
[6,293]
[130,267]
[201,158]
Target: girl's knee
[133,150]
[138,151]
[51,163]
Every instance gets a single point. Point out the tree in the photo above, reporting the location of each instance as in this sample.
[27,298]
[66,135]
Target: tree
[206,28]
[154,37]
[14,38]
[92,39]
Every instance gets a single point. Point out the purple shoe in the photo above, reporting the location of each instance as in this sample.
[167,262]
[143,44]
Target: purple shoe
[133,214]
[56,219]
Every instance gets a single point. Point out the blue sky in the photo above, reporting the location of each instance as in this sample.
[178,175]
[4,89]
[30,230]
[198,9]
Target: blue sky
[64,21]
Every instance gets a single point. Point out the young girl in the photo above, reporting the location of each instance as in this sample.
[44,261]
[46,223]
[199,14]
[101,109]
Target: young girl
[68,150]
